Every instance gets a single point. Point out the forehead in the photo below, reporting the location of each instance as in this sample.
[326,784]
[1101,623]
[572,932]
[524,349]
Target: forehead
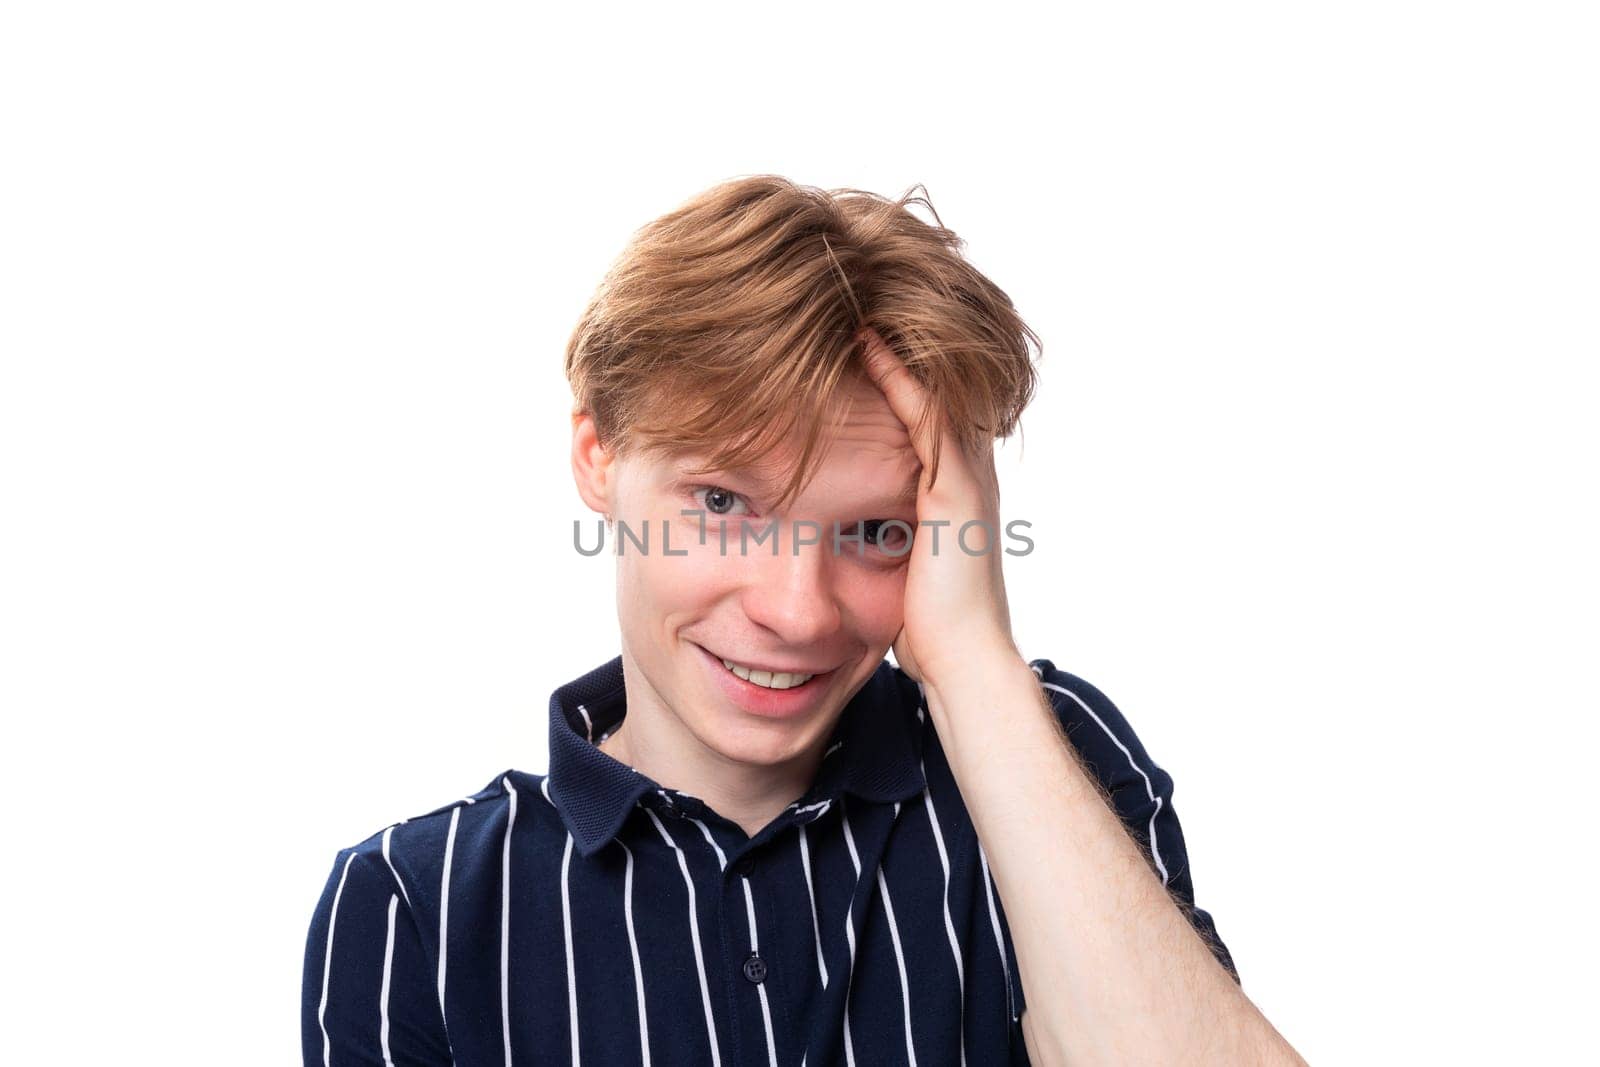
[866,453]
[865,419]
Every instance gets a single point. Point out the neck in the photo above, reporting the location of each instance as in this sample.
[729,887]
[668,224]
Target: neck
[656,743]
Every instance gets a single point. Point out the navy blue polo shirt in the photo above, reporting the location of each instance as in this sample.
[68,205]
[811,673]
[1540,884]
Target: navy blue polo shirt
[590,915]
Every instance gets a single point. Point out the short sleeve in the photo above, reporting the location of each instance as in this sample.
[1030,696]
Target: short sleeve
[368,993]
[1140,790]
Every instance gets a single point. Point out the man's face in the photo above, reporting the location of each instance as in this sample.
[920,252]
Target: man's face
[830,615]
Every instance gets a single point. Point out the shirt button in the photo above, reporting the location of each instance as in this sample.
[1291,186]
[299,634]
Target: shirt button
[743,868]
[755,968]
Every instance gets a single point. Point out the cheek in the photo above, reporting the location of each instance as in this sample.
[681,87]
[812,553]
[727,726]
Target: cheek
[672,585]
[876,601]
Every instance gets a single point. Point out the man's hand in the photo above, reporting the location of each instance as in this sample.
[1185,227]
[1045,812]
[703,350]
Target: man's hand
[955,598]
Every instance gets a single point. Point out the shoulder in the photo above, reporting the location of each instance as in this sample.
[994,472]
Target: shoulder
[410,855]
[1096,727]
[1068,693]
[1089,718]
[1105,741]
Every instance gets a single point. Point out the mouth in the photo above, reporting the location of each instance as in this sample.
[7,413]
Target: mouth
[771,690]
[770,679]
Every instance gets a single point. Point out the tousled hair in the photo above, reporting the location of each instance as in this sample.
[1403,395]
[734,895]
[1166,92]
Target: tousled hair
[727,324]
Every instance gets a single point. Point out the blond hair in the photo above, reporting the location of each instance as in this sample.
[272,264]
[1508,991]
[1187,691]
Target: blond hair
[729,323]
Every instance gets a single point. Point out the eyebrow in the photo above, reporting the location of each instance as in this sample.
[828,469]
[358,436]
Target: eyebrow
[906,497]
[907,493]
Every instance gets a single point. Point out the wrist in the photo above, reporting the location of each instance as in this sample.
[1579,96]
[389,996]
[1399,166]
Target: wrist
[978,672]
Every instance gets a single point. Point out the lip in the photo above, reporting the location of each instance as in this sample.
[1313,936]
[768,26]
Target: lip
[759,700]
[769,668]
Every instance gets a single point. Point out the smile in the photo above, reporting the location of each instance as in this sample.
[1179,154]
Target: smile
[768,679]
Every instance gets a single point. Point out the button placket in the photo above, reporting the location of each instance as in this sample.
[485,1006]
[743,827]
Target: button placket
[754,967]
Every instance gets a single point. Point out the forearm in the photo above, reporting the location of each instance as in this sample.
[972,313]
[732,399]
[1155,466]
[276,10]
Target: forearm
[1115,972]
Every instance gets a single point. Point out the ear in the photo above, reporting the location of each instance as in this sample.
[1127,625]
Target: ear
[593,465]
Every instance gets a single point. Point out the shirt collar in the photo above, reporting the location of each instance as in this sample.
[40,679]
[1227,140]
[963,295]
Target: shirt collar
[874,752]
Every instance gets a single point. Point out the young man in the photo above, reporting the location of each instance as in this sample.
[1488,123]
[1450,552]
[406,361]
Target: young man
[758,842]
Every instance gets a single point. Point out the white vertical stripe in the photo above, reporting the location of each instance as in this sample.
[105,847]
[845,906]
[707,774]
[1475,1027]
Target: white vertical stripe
[761,987]
[327,961]
[588,725]
[850,933]
[383,995]
[949,924]
[566,930]
[900,961]
[1149,789]
[694,934]
[444,903]
[816,929]
[505,921]
[633,946]
[994,921]
[566,933]
[390,862]
[722,859]
[899,953]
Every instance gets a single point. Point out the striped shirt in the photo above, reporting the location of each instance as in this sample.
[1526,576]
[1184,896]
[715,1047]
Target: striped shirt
[591,915]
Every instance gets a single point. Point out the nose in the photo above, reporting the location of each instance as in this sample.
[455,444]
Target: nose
[792,594]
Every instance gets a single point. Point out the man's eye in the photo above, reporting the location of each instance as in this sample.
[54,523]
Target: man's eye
[717,500]
[886,534]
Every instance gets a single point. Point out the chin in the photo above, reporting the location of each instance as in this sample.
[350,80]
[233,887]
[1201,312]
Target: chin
[757,742]
[755,754]
[749,740]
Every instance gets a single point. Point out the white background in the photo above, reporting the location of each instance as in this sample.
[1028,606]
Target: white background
[287,506]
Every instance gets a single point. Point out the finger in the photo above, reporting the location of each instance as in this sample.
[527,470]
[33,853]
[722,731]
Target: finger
[906,396]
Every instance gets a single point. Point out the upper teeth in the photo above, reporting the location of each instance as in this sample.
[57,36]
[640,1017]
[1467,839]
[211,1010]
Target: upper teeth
[767,678]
